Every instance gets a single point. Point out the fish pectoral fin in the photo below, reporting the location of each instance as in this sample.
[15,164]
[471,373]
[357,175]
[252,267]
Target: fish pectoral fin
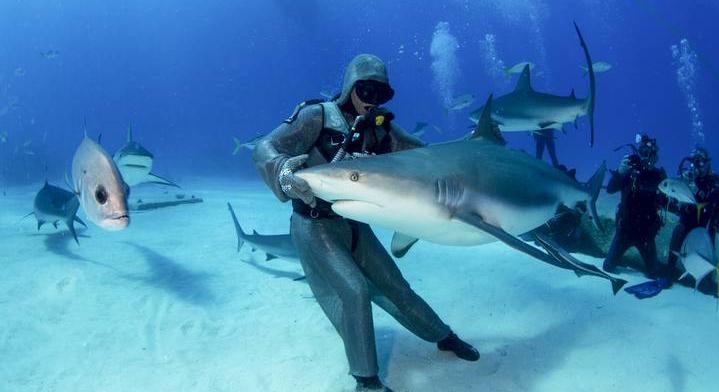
[78,220]
[155,179]
[71,227]
[401,243]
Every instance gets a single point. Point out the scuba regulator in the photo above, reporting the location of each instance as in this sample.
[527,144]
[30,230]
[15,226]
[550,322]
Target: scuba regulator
[375,118]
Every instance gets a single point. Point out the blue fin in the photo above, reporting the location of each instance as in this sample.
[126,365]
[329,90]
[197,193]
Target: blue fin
[648,289]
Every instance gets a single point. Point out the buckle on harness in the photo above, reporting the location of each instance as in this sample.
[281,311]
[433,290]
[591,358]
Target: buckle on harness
[314,214]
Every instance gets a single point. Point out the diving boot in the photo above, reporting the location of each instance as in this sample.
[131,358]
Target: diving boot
[370,384]
[459,347]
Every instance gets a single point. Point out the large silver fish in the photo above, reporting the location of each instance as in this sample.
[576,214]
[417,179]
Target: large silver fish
[677,189]
[99,186]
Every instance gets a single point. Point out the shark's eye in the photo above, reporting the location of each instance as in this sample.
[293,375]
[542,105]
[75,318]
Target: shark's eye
[354,176]
[101,194]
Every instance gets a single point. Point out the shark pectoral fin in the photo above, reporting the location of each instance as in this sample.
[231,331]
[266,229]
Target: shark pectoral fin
[78,220]
[269,257]
[546,124]
[299,278]
[401,243]
[498,233]
[155,179]
[571,262]
[54,224]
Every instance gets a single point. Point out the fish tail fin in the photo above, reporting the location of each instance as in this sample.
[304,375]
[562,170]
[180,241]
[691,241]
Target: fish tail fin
[592,84]
[593,187]
[238,229]
[238,145]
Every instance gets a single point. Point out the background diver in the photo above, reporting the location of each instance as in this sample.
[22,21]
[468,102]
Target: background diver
[705,185]
[637,217]
[345,264]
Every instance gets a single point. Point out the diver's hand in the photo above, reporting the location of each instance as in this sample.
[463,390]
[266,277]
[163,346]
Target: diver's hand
[625,165]
[293,186]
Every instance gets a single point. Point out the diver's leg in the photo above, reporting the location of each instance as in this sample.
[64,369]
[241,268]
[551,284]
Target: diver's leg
[401,301]
[339,287]
[551,148]
[392,292]
[538,145]
[616,251]
[648,250]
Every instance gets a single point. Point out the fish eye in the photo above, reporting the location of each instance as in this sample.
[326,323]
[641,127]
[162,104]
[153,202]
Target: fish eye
[101,194]
[354,176]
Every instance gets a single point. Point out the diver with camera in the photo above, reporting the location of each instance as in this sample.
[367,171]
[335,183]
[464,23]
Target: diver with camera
[637,217]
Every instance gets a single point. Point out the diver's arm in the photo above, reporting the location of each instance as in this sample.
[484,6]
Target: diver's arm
[289,139]
[615,182]
[402,140]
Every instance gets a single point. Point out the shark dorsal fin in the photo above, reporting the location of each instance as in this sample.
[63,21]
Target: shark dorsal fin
[524,83]
[486,128]
[254,232]
[129,132]
[572,95]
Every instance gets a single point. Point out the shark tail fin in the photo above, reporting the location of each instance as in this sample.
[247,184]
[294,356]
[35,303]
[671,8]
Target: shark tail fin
[238,229]
[238,145]
[129,132]
[593,187]
[592,84]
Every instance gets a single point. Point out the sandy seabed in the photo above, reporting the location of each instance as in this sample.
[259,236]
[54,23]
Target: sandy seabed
[169,305]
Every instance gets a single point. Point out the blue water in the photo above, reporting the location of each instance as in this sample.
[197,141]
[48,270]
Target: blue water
[190,75]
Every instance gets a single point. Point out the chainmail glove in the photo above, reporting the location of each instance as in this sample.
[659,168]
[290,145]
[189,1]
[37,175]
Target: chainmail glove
[293,186]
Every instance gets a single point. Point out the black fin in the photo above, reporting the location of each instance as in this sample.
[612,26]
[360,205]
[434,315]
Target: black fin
[401,243]
[269,257]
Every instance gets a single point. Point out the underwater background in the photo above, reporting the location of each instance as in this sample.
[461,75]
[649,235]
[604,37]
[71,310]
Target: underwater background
[173,304]
[191,75]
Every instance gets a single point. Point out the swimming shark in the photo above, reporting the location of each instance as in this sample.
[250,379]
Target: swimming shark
[98,184]
[53,204]
[274,246]
[467,192]
[525,109]
[135,164]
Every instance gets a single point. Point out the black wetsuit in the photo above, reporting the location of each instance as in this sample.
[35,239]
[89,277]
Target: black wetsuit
[704,214]
[637,218]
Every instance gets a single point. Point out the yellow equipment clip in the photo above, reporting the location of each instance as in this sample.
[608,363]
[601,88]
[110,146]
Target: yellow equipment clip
[378,121]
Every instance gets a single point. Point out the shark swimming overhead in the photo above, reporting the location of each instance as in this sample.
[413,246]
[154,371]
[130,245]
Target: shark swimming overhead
[135,164]
[468,192]
[53,204]
[99,186]
[526,109]
[274,246]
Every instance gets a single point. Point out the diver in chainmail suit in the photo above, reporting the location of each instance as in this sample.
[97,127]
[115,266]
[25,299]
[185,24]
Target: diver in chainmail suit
[345,264]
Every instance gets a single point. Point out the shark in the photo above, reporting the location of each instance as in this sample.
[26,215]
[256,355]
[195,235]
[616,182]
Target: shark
[274,246]
[526,109]
[135,164]
[463,193]
[53,204]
